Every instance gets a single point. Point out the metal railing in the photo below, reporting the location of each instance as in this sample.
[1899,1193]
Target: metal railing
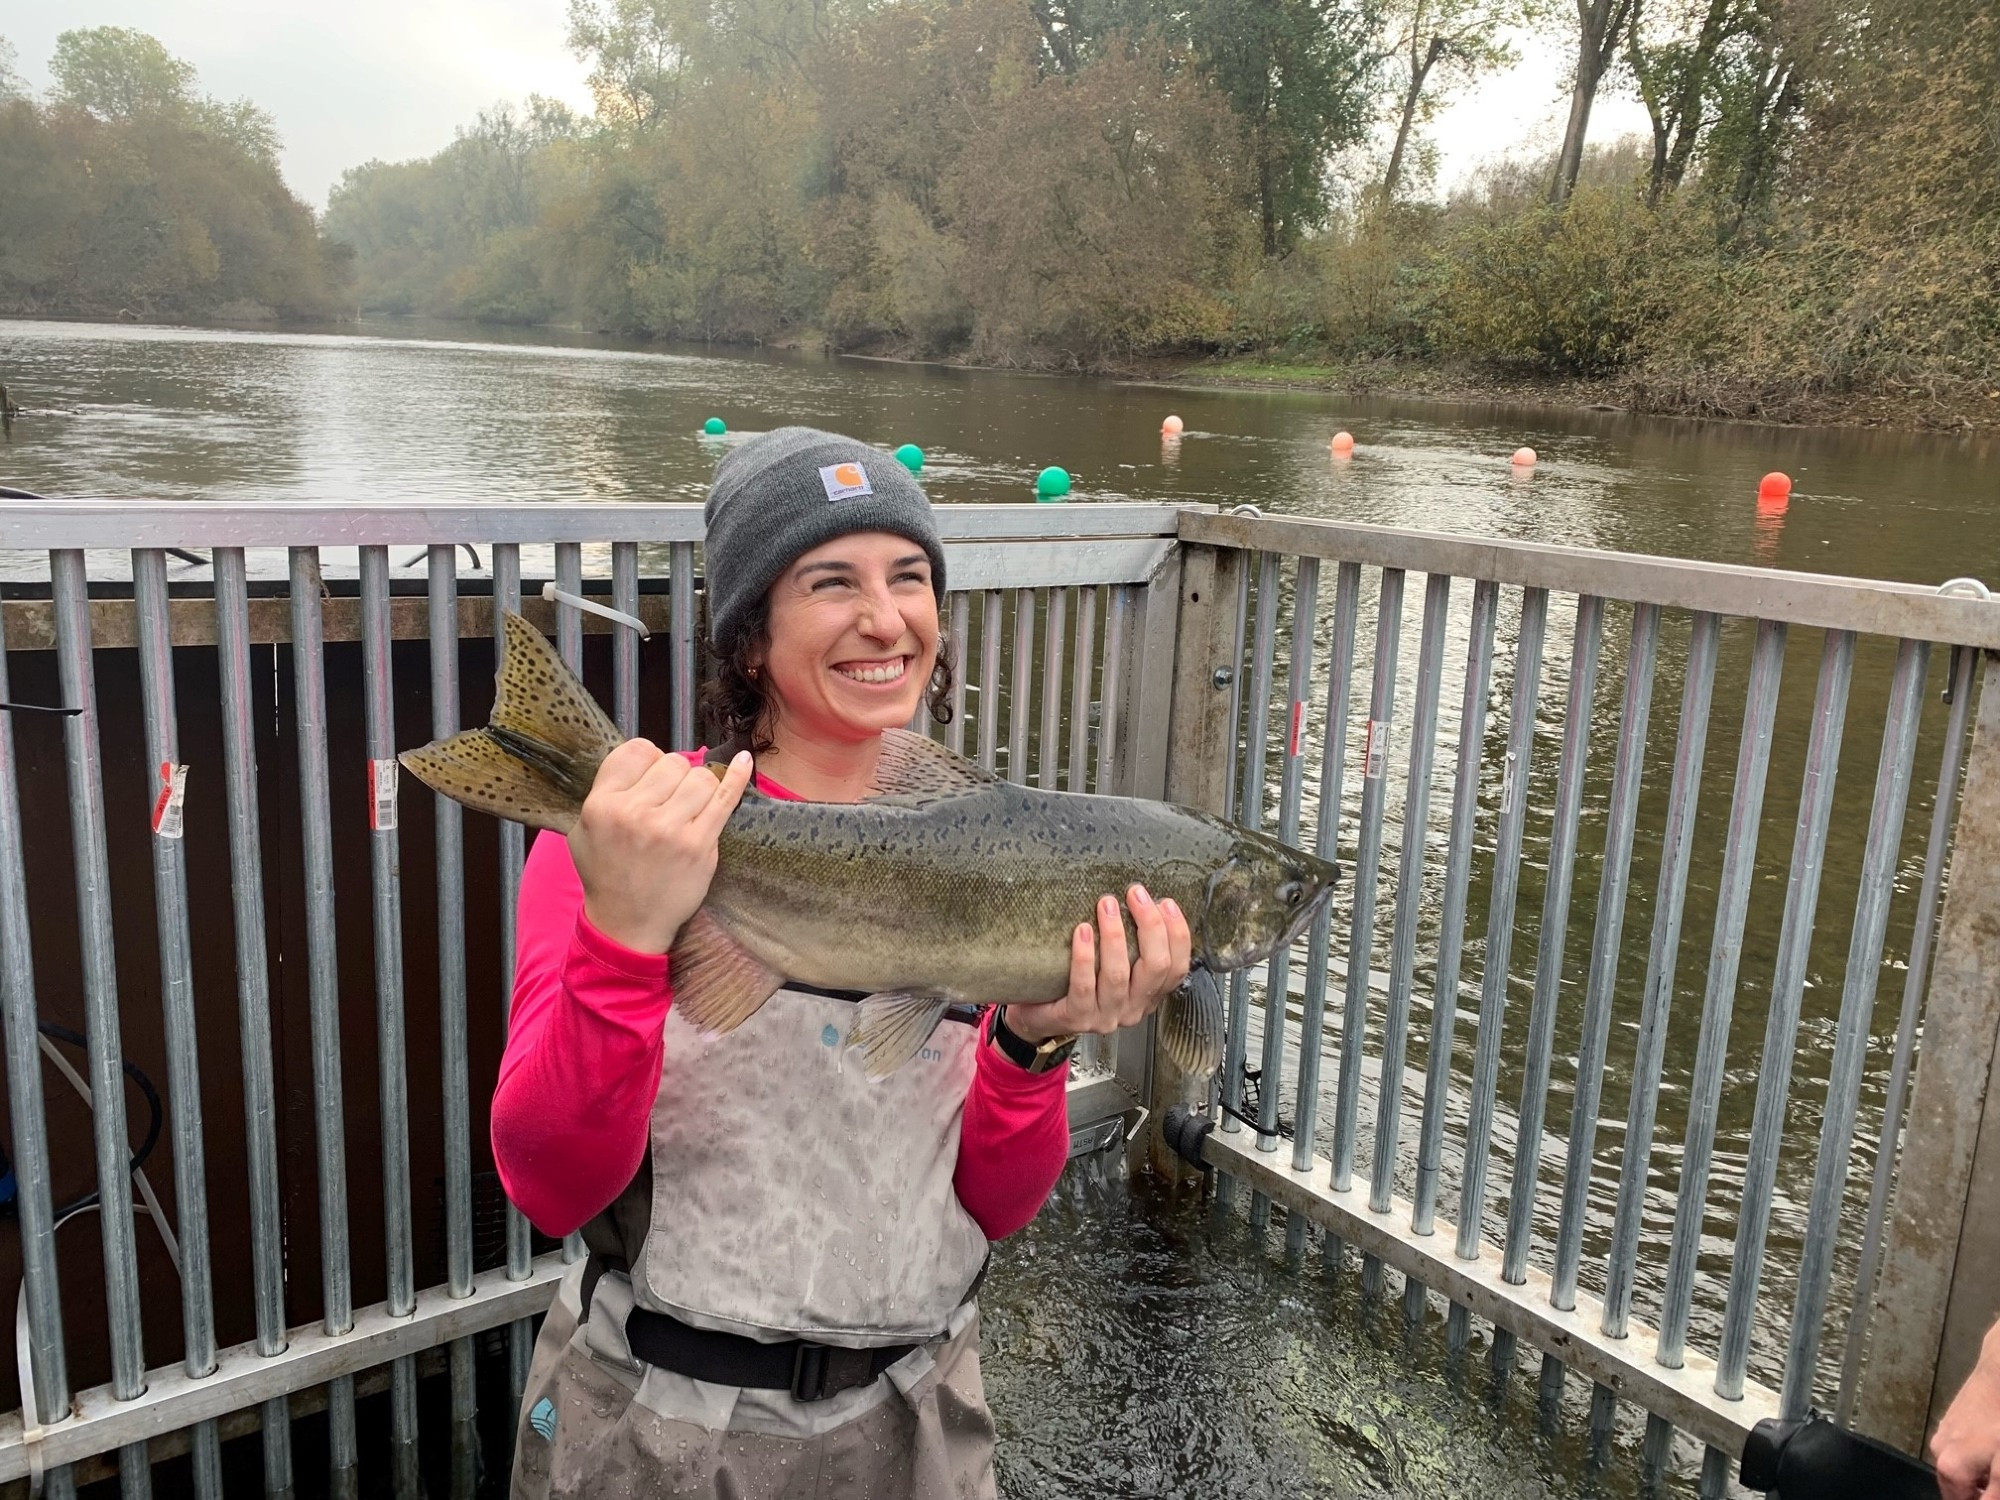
[1468,899]
[1064,643]
[1538,1117]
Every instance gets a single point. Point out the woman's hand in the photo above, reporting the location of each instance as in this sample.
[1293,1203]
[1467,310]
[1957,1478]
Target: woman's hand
[645,846]
[1107,988]
[1967,1441]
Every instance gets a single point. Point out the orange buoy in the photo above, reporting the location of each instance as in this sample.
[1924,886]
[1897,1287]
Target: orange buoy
[1172,427]
[1775,485]
[1343,442]
[1524,458]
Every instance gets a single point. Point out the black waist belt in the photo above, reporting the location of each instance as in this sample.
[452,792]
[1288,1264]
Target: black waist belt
[811,1372]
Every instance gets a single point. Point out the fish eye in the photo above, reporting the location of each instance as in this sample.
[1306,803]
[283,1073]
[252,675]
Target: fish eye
[1292,892]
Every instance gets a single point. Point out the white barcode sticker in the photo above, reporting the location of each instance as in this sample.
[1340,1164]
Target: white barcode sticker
[382,794]
[1507,784]
[167,820]
[1377,753]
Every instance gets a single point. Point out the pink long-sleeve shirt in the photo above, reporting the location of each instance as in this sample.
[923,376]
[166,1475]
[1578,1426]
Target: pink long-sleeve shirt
[572,1112]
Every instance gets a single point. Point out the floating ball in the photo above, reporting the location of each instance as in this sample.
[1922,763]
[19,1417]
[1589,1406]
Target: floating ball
[1052,483]
[1524,458]
[1172,427]
[911,457]
[715,427]
[1776,485]
[1343,442]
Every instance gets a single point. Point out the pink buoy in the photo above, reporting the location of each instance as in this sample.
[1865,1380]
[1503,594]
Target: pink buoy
[1172,427]
[1343,442]
[1524,458]
[1776,485]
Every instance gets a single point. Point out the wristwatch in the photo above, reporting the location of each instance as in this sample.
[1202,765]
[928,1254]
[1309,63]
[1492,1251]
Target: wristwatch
[1036,1057]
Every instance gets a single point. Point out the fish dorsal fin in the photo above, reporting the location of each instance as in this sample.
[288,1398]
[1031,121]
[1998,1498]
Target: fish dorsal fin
[912,766]
[718,983]
[544,715]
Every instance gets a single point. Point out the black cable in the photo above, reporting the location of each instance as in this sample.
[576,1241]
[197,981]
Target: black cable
[157,1114]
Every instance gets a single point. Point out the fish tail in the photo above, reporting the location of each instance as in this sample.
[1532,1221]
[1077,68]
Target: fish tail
[534,761]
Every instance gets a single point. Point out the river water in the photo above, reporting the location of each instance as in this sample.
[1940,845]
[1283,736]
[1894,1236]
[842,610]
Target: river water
[1138,1347]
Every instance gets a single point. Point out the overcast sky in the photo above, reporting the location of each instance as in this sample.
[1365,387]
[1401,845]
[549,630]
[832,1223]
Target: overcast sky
[392,78]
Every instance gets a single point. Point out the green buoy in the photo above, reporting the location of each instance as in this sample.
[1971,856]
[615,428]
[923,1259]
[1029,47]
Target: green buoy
[715,427]
[911,457]
[1052,484]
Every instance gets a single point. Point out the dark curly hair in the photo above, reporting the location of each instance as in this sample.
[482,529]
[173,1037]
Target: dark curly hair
[736,703]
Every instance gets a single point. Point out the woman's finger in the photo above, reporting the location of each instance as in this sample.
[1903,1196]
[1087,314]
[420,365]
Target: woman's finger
[663,778]
[728,791]
[625,765]
[1180,937]
[1114,959]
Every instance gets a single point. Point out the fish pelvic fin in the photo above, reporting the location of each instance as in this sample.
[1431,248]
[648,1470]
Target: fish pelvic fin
[915,767]
[718,983]
[1192,1022]
[540,750]
[478,770]
[892,1027]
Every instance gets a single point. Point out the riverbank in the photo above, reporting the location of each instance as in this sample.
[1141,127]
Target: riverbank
[1963,410]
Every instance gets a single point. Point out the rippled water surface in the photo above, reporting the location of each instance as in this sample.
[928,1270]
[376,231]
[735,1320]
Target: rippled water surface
[1139,1347]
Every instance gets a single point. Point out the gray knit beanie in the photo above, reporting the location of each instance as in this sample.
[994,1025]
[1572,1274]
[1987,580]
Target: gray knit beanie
[783,493]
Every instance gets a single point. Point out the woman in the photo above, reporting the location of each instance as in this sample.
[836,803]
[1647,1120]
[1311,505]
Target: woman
[784,1254]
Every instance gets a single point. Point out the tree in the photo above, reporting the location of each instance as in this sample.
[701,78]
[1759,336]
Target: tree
[1438,42]
[11,86]
[1600,32]
[117,74]
[1299,75]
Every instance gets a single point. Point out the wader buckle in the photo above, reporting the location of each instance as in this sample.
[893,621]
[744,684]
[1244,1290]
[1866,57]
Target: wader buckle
[821,1370]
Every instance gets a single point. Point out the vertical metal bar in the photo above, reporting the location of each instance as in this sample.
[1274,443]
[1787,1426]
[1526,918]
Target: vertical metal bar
[1291,789]
[1457,879]
[624,639]
[253,992]
[1367,868]
[1409,890]
[680,635]
[1049,752]
[99,974]
[457,1100]
[392,1068]
[1019,689]
[1916,976]
[1251,813]
[1608,937]
[1781,1026]
[1082,680]
[1232,783]
[170,909]
[1857,1008]
[513,838]
[569,619]
[961,622]
[1677,846]
[1118,609]
[989,677]
[39,1267]
[1732,904]
[323,993]
[1326,841]
[1555,929]
[1500,917]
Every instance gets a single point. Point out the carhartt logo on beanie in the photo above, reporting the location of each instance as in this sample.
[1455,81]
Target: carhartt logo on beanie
[783,493]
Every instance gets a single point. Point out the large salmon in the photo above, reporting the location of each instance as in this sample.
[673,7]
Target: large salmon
[951,887]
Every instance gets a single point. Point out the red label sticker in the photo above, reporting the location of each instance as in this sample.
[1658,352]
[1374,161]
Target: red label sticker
[167,820]
[1298,725]
[382,794]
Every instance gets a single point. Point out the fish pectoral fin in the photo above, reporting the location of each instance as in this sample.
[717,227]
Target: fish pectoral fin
[892,1027]
[476,769]
[915,767]
[1192,1022]
[718,983]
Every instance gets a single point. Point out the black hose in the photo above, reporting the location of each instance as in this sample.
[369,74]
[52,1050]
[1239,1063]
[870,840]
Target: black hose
[156,1114]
